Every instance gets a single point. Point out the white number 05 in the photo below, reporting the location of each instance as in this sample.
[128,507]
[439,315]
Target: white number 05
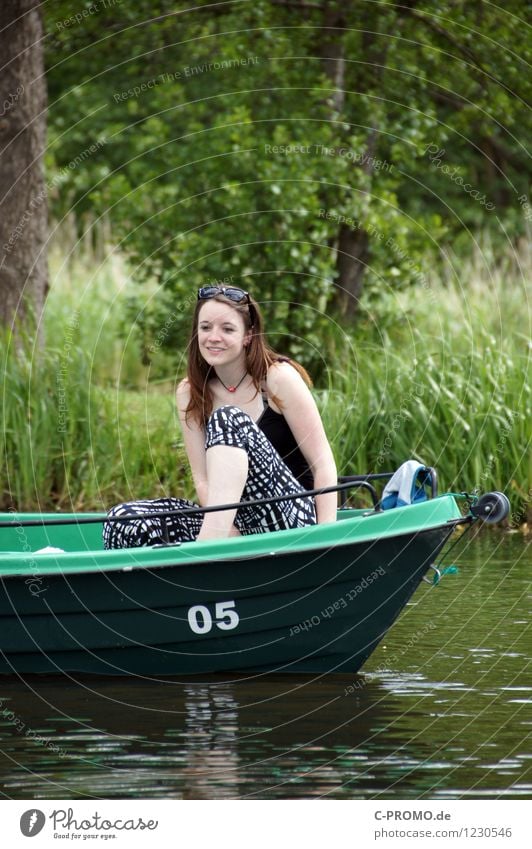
[200,619]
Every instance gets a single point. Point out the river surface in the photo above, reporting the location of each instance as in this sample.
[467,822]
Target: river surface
[443,710]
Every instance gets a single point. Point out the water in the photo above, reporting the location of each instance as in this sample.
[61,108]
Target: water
[442,711]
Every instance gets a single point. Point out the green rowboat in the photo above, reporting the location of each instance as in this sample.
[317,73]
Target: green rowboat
[314,600]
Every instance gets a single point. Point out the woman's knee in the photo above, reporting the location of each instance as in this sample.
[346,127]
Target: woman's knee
[229,416]
[119,510]
[228,426]
[126,533]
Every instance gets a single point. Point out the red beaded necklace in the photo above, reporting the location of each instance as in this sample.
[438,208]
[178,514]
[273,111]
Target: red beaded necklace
[232,388]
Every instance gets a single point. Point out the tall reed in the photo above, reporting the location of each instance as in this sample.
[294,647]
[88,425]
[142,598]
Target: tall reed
[68,443]
[443,379]
[442,376]
[74,437]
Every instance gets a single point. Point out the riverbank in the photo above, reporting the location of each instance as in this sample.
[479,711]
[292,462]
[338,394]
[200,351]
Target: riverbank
[443,378]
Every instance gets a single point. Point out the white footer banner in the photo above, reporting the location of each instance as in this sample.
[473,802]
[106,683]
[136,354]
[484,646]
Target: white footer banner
[498,824]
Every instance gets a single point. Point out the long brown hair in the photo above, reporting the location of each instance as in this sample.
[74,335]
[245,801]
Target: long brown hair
[259,358]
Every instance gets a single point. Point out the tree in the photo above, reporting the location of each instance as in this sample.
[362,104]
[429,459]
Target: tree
[289,144]
[23,195]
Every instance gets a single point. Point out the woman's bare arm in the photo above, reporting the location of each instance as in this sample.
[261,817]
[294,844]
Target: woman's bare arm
[194,440]
[303,417]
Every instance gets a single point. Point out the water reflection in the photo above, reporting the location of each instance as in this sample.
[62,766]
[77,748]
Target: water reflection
[211,732]
[283,738]
[445,716]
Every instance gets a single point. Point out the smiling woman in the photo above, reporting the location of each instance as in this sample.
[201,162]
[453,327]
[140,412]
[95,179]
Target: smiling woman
[251,430]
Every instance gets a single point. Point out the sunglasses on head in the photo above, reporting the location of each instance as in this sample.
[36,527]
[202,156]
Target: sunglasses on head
[231,292]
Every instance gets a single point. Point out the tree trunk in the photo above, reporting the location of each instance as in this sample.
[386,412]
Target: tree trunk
[352,255]
[23,201]
[353,245]
[353,251]
[350,244]
[332,51]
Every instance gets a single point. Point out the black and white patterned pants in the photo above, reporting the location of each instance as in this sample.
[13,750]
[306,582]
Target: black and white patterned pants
[268,475]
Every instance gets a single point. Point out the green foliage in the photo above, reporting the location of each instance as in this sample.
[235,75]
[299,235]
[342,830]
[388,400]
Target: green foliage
[213,140]
[223,155]
[432,379]
[440,383]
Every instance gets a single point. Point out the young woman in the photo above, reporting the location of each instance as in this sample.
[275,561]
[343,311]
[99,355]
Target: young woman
[251,430]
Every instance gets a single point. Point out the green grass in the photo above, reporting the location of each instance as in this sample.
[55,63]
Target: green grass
[71,444]
[467,415]
[73,436]
[441,375]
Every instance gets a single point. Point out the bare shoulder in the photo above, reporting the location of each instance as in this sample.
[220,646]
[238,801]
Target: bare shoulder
[182,397]
[183,390]
[283,373]
[283,376]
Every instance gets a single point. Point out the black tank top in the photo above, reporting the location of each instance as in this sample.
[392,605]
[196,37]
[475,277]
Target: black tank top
[275,427]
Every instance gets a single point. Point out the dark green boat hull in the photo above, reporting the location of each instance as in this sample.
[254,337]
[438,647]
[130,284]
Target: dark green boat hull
[316,601]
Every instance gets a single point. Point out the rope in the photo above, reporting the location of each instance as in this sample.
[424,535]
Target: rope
[452,569]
